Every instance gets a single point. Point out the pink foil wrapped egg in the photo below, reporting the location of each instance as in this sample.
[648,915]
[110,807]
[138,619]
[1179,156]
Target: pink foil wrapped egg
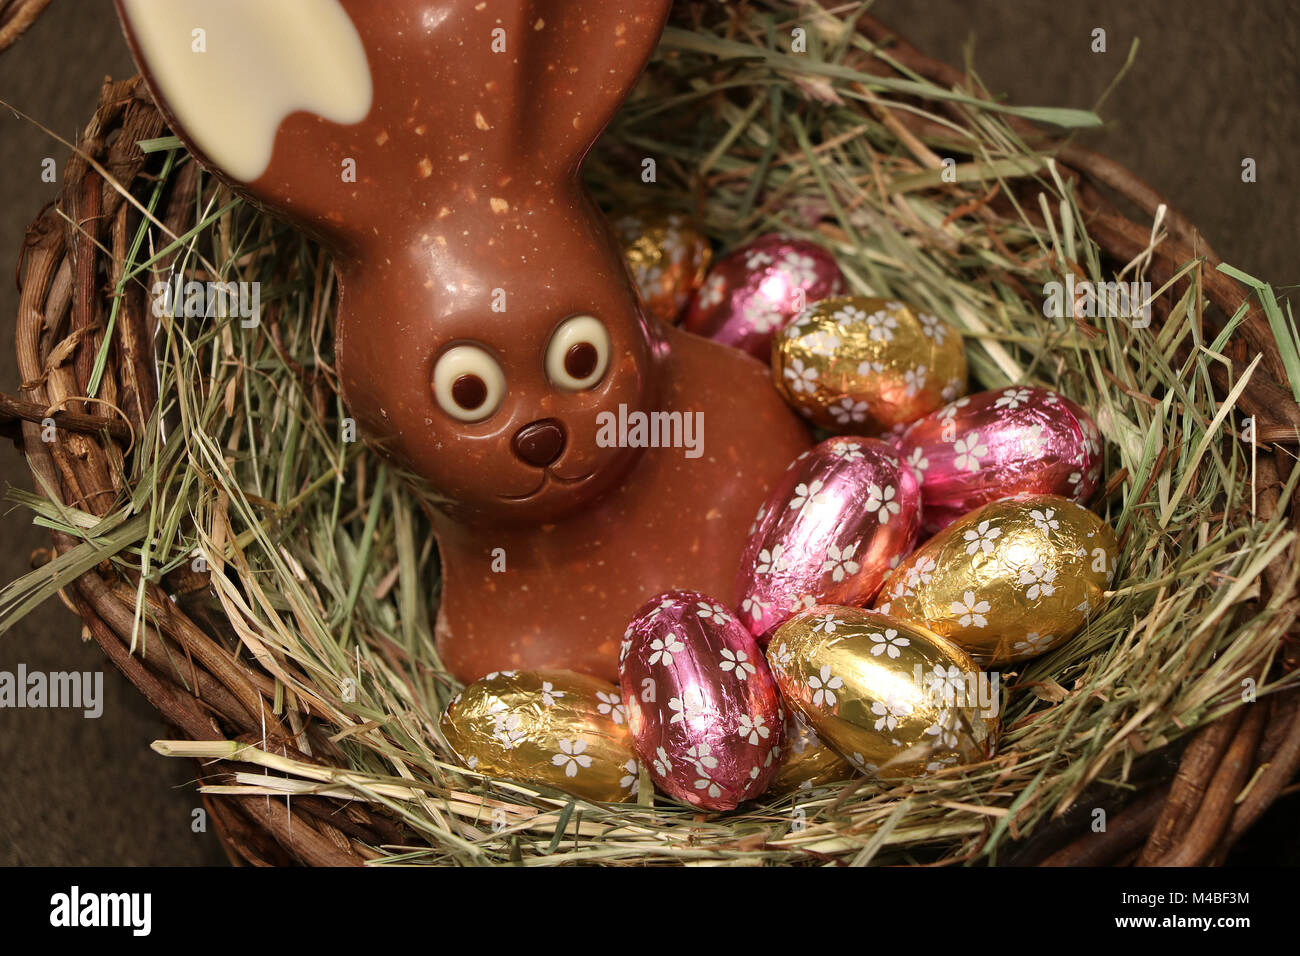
[995,444]
[701,704]
[840,518]
[756,289]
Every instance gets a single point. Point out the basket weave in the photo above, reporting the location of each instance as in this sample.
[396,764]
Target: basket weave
[195,674]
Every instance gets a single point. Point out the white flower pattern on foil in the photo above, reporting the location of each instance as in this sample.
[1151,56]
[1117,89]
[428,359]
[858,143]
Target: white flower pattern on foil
[917,461]
[753,729]
[713,612]
[807,495]
[888,643]
[949,411]
[630,781]
[943,683]
[663,648]
[508,730]
[571,757]
[709,786]
[847,450]
[1034,643]
[772,562]
[839,562]
[756,608]
[1012,398]
[848,315]
[823,686]
[802,379]
[738,662]
[702,756]
[945,729]
[1041,580]
[801,268]
[862,763]
[968,451]
[1045,520]
[825,624]
[848,412]
[970,611]
[932,327]
[981,537]
[921,572]
[881,502]
[1034,441]
[914,381]
[611,704]
[889,712]
[881,326]
[763,315]
[822,343]
[713,291]
[663,766]
[664,605]
[688,707]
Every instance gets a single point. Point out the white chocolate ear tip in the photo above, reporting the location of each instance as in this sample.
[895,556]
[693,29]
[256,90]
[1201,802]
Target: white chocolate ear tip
[231,72]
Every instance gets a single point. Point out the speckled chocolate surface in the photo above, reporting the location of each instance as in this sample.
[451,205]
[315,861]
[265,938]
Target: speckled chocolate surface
[467,227]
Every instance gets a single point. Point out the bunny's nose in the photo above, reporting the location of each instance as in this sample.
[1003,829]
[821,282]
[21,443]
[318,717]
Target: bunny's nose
[539,443]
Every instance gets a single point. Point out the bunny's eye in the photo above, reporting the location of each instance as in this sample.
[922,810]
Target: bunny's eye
[578,353]
[468,384]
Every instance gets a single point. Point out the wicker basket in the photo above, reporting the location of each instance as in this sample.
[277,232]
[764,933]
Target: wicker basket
[209,689]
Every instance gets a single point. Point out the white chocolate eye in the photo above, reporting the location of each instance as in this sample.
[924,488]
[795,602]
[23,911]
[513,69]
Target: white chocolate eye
[578,353]
[468,384]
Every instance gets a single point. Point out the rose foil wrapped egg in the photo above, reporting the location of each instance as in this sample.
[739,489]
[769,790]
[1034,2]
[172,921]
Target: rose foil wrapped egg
[668,257]
[839,519]
[702,706]
[808,763]
[995,444]
[896,700]
[556,728]
[865,365]
[1009,581]
[756,289]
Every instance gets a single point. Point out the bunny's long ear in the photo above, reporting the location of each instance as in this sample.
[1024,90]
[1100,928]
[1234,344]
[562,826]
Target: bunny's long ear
[579,61]
[228,74]
[360,117]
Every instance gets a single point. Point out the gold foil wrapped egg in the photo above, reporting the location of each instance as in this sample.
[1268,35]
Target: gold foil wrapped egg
[1009,581]
[558,728]
[668,257]
[861,365]
[893,698]
[808,762]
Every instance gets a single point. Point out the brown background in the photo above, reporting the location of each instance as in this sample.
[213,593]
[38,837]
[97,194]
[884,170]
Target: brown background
[1215,82]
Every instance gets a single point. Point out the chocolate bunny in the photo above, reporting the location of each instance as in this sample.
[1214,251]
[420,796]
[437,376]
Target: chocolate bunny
[488,331]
